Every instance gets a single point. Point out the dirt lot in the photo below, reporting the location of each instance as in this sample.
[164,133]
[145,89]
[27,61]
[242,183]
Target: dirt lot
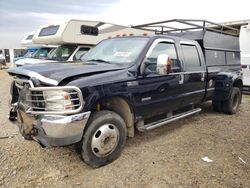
[170,156]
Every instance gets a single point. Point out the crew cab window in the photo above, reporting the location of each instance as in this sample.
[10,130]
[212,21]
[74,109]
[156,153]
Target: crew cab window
[164,48]
[190,55]
[80,53]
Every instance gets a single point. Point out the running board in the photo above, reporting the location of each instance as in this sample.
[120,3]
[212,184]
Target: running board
[165,121]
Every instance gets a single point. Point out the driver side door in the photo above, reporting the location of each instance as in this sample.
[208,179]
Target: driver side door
[157,94]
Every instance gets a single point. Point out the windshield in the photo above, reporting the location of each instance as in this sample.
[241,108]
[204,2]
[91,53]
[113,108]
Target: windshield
[117,50]
[29,53]
[41,53]
[62,53]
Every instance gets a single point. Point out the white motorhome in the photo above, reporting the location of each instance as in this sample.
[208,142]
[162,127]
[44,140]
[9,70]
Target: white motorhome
[27,40]
[35,52]
[76,37]
[245,54]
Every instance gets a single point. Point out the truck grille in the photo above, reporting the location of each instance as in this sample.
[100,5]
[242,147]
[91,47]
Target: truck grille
[38,99]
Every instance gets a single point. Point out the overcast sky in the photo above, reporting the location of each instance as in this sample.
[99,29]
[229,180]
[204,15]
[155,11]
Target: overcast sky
[18,17]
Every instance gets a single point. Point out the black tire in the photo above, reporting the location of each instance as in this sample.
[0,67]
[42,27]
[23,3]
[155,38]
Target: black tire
[103,128]
[231,105]
[12,115]
[217,106]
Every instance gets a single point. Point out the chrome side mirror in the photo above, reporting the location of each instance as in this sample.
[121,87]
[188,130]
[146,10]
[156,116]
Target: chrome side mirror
[163,66]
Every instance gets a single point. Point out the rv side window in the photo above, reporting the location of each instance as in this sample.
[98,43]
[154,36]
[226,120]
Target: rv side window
[88,30]
[29,37]
[190,55]
[80,53]
[214,57]
[51,30]
[233,57]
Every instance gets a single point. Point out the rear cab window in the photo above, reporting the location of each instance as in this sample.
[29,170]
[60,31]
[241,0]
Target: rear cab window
[191,57]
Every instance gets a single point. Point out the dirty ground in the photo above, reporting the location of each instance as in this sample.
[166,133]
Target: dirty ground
[170,156]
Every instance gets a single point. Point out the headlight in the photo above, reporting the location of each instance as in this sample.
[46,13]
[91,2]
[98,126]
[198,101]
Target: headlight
[57,101]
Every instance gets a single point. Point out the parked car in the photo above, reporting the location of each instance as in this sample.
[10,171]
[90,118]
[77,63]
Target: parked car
[125,83]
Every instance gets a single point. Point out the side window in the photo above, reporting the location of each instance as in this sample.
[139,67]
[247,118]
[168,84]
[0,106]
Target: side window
[191,56]
[164,48]
[233,57]
[80,53]
[214,57]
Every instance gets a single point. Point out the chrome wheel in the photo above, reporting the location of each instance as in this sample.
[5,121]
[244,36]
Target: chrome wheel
[105,140]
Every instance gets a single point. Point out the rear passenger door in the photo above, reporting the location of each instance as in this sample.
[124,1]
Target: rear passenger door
[193,77]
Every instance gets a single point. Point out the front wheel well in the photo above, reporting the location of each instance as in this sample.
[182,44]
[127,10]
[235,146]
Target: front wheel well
[120,106]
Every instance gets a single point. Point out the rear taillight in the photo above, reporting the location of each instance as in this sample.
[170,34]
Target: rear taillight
[243,66]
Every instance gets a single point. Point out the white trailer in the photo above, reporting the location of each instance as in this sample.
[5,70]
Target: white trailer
[76,37]
[245,54]
[27,40]
[35,52]
[81,32]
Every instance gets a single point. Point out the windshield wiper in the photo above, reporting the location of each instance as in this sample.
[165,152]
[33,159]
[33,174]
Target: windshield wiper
[99,60]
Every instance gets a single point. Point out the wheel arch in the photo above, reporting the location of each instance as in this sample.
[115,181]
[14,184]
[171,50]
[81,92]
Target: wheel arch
[238,83]
[120,105]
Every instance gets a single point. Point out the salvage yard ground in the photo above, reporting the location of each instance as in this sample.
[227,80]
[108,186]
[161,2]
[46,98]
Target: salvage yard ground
[170,156]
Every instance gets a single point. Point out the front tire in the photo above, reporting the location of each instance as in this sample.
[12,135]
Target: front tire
[104,138]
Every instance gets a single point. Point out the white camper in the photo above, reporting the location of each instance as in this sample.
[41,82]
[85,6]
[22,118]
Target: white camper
[35,52]
[27,40]
[245,55]
[76,37]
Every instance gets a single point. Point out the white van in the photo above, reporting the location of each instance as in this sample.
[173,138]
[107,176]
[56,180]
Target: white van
[245,55]
[76,37]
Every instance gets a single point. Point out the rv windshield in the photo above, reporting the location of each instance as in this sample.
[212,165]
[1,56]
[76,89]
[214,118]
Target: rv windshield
[62,53]
[117,50]
[41,53]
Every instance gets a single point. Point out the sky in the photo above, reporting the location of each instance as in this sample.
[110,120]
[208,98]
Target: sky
[19,17]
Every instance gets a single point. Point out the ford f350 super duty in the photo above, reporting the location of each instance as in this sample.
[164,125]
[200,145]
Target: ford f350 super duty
[123,84]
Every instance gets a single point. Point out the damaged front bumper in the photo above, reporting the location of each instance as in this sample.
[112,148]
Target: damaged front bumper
[53,130]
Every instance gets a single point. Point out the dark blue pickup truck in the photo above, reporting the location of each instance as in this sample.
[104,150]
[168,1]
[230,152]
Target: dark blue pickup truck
[123,84]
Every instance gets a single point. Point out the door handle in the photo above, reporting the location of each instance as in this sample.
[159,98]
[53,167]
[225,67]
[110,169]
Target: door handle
[203,76]
[181,78]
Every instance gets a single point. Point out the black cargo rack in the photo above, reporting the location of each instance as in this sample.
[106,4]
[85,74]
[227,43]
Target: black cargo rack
[186,25]
[220,43]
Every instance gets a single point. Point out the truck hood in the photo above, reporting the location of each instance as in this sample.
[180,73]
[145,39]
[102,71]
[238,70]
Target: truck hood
[54,73]
[31,61]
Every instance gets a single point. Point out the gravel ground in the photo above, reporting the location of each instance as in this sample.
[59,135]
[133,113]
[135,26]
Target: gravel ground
[170,156]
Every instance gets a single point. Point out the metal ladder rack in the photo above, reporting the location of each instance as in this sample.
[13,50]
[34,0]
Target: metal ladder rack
[186,25]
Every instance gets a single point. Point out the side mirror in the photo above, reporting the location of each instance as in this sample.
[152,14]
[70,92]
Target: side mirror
[164,64]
